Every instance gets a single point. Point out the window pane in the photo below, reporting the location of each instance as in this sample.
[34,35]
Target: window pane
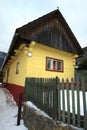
[17,68]
[59,66]
[48,64]
[54,64]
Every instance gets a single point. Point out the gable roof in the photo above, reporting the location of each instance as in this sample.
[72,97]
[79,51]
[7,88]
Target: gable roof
[33,30]
[42,30]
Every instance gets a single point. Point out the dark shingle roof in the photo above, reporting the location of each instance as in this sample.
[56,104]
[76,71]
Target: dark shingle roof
[29,32]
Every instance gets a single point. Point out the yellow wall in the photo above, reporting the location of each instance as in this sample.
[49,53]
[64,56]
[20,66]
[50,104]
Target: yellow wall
[35,66]
[37,62]
[19,78]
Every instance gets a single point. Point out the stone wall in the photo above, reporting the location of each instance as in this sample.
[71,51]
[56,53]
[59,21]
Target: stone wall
[35,120]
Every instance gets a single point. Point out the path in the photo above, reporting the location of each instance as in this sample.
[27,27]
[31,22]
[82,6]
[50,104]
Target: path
[8,112]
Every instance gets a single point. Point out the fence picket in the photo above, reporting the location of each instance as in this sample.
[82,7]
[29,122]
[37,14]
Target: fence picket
[73,101]
[47,96]
[51,97]
[68,101]
[78,102]
[40,92]
[26,89]
[63,100]
[59,99]
[54,98]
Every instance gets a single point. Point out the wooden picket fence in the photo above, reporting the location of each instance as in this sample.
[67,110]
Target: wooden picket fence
[63,101]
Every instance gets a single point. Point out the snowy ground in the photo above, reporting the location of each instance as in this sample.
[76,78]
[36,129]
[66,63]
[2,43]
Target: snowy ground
[8,112]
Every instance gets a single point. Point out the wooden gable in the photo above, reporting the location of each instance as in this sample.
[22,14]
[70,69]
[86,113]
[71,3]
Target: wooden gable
[51,30]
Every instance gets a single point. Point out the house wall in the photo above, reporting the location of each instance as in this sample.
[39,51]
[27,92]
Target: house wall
[35,66]
[15,82]
[37,63]
[18,79]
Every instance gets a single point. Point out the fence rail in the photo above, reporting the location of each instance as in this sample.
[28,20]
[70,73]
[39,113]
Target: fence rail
[63,101]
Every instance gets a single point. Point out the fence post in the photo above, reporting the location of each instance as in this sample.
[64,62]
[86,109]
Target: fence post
[27,84]
[78,102]
[58,99]
[19,108]
[63,100]
[54,100]
[68,100]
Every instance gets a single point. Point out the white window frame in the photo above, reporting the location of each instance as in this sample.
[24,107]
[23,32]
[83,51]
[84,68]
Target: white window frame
[52,64]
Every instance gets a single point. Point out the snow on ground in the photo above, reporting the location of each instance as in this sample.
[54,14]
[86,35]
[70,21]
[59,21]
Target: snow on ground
[39,111]
[8,112]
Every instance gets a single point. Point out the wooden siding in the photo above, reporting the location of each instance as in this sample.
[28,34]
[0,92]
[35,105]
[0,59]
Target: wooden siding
[53,35]
[19,78]
[36,64]
[44,29]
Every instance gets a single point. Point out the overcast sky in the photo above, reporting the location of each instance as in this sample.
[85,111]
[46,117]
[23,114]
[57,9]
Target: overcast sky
[16,13]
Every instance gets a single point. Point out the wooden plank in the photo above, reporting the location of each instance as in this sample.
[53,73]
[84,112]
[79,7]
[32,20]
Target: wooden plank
[55,98]
[26,89]
[68,101]
[37,90]
[53,89]
[50,94]
[31,89]
[34,88]
[59,99]
[45,95]
[63,100]
[51,97]
[73,101]
[78,102]
[41,95]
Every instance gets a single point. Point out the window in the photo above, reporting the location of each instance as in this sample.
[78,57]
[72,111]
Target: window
[17,68]
[4,74]
[7,72]
[7,75]
[60,65]
[54,64]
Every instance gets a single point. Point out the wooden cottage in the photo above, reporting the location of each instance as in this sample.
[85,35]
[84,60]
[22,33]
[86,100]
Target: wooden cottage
[45,47]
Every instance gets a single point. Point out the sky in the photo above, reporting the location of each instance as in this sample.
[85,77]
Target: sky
[16,13]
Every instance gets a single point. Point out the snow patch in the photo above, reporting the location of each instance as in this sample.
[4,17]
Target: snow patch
[8,112]
[40,112]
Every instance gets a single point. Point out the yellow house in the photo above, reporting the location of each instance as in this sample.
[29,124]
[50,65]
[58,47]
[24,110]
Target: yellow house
[45,47]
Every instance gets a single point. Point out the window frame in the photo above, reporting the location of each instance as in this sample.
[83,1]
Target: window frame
[17,68]
[54,67]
